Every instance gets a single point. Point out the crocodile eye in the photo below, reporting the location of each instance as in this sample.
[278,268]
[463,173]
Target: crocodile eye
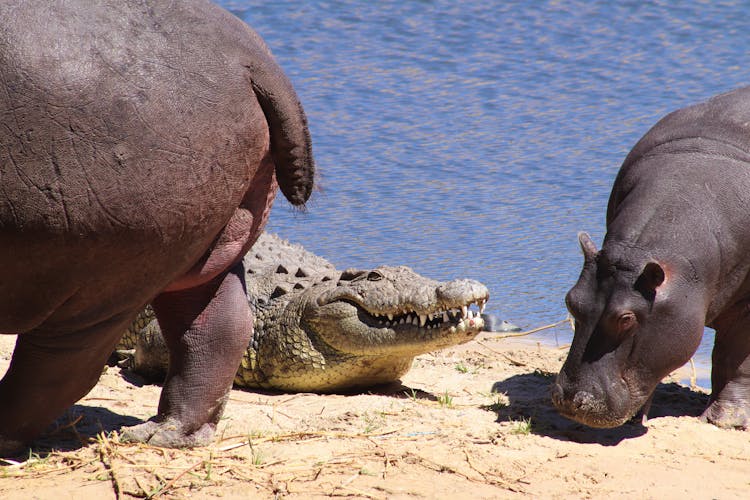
[374,276]
[626,322]
[351,275]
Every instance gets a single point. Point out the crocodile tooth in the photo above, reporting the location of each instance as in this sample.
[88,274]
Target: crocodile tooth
[422,319]
[390,316]
[415,321]
[481,306]
[464,309]
[470,314]
[445,317]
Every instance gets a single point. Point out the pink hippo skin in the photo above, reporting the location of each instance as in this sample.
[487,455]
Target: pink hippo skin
[140,151]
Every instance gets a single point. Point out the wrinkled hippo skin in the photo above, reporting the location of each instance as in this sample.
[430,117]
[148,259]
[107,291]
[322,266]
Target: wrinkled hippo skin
[139,157]
[675,258]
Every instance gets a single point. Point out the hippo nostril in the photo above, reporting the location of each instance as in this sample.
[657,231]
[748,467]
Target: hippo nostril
[585,401]
[582,397]
[557,394]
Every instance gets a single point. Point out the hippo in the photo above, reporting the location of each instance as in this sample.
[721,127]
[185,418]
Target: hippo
[675,257]
[142,147]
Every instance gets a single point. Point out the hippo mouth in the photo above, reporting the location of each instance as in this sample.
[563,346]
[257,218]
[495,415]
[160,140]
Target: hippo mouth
[598,409]
[587,410]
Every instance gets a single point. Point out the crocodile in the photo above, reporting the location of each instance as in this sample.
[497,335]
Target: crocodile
[318,329]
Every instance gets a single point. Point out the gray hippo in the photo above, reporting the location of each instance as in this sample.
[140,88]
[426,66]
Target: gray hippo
[676,257]
[141,147]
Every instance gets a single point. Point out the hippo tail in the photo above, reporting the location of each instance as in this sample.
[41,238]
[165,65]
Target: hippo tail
[291,146]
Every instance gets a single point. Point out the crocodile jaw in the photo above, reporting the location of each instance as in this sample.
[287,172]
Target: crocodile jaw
[349,329]
[459,320]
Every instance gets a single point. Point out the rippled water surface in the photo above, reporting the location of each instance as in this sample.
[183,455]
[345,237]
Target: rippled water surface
[474,138]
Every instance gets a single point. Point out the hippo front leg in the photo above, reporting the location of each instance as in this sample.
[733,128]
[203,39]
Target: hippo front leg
[729,405]
[52,368]
[206,329]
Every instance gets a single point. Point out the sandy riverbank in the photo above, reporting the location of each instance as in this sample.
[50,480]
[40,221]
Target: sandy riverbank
[469,422]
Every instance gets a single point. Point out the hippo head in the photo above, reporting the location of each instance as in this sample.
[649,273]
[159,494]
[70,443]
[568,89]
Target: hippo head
[637,318]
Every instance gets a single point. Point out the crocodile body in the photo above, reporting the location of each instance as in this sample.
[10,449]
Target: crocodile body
[318,329]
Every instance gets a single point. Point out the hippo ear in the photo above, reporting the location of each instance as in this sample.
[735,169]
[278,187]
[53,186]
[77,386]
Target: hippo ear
[587,246]
[650,279]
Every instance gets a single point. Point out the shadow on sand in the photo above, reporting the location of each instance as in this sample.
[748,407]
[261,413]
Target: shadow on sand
[529,399]
[77,427]
[398,390]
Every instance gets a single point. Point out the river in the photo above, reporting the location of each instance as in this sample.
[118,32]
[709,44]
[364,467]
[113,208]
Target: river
[475,139]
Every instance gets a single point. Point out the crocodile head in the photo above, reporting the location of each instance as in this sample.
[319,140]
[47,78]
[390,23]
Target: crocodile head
[393,311]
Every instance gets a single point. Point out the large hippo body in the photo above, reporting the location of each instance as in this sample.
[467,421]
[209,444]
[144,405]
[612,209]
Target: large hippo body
[140,147]
[676,257]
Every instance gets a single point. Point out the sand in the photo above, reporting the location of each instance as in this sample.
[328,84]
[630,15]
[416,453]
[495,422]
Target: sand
[473,421]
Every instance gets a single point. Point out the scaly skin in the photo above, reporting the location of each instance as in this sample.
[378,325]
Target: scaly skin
[322,330]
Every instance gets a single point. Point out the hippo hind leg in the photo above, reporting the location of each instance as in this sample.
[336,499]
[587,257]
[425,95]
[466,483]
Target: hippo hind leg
[729,405]
[49,371]
[207,329]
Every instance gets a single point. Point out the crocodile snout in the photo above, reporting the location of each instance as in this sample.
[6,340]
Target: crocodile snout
[462,291]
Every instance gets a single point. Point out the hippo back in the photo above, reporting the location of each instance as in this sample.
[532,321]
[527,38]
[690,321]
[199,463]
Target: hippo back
[129,141]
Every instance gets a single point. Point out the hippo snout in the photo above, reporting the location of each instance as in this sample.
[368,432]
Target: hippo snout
[589,404]
[586,402]
[581,402]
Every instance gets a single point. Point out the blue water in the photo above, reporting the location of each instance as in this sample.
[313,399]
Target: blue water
[475,138]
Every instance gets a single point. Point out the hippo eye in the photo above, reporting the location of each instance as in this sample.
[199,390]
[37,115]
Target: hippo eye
[374,276]
[625,322]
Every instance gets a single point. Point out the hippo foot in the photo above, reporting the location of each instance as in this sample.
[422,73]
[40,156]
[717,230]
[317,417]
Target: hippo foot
[727,415]
[168,434]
